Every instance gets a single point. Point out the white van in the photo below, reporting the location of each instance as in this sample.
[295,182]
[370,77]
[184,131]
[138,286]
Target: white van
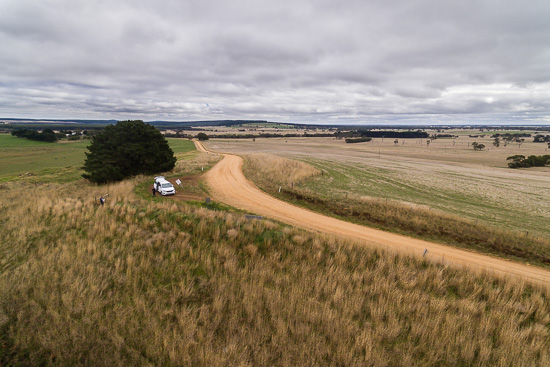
[163,186]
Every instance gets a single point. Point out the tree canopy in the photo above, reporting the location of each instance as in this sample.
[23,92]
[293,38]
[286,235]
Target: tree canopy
[127,149]
[202,136]
[478,146]
[46,135]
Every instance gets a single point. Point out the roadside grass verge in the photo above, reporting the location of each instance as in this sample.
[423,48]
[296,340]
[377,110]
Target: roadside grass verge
[281,171]
[143,282]
[408,219]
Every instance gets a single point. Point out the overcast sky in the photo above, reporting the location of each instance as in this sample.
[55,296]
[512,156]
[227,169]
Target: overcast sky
[347,61]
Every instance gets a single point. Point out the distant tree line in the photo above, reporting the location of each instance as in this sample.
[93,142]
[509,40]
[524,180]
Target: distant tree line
[437,136]
[418,134]
[251,136]
[520,161]
[242,122]
[47,135]
[318,135]
[339,134]
[357,140]
[511,136]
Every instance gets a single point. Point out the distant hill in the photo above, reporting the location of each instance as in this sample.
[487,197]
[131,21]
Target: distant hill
[52,123]
[58,124]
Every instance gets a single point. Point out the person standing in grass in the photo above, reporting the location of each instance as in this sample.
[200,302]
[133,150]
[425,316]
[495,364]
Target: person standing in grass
[102,200]
[154,191]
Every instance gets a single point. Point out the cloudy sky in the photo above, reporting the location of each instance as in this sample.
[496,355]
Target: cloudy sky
[310,61]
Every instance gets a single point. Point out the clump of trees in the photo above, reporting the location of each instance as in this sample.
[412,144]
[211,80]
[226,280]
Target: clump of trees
[357,140]
[127,149]
[520,161]
[202,136]
[539,138]
[478,146]
[511,136]
[47,135]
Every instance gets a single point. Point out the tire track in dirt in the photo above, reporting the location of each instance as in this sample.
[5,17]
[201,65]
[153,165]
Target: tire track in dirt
[228,184]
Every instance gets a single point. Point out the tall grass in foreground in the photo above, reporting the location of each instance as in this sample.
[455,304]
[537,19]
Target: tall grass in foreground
[140,282]
[399,217]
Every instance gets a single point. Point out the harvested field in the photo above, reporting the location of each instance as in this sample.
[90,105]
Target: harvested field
[453,179]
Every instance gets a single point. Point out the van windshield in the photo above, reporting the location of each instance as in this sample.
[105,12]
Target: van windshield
[166,185]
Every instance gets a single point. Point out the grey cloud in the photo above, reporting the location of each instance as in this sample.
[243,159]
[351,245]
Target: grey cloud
[287,60]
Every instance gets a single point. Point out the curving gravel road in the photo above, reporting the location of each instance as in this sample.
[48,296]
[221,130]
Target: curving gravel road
[228,184]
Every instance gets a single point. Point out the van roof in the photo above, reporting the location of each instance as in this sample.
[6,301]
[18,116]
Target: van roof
[161,180]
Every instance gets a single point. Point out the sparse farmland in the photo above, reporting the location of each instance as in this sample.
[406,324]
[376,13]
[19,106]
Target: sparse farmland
[145,281]
[447,176]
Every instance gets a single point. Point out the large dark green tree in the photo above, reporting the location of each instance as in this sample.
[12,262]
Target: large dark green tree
[127,149]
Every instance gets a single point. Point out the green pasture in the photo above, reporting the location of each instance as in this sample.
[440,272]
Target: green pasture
[22,159]
[181,146]
[40,161]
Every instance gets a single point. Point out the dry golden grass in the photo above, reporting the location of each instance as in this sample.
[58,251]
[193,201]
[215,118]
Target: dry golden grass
[196,163]
[139,282]
[281,171]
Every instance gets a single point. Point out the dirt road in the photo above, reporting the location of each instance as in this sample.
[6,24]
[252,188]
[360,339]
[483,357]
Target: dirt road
[228,184]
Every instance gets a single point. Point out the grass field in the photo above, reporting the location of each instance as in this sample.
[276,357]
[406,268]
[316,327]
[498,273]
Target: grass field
[33,161]
[27,159]
[181,146]
[143,282]
[448,176]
